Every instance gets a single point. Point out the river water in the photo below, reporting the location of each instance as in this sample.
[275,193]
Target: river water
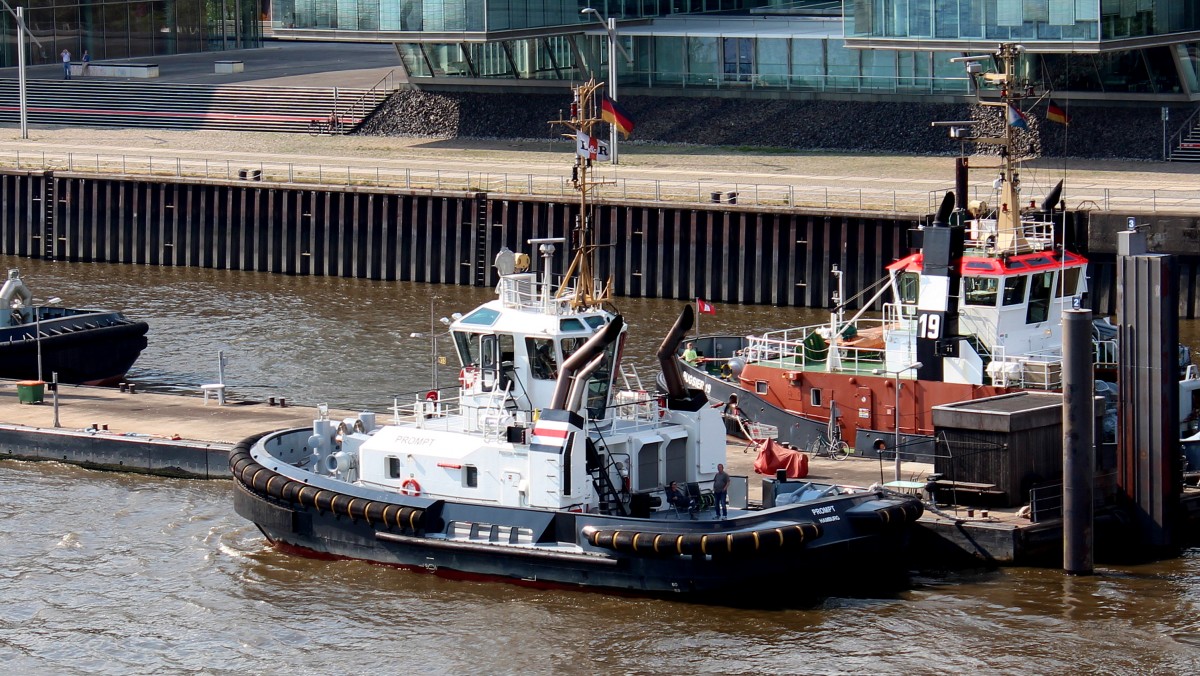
[111,573]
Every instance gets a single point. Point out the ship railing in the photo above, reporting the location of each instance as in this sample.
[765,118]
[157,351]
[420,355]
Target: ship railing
[526,292]
[1039,370]
[799,348]
[1104,354]
[1038,234]
[638,407]
[426,413]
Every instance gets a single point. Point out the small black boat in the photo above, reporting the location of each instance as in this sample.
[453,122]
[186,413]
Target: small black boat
[83,346]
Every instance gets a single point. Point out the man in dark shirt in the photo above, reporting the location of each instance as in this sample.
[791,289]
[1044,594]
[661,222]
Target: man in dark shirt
[721,492]
[677,498]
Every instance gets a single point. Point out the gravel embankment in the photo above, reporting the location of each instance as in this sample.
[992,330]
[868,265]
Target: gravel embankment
[891,127]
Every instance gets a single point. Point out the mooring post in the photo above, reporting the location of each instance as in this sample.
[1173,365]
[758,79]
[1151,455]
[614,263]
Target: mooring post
[1078,442]
[1149,469]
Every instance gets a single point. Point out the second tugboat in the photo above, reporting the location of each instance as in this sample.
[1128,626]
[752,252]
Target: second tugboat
[539,472]
[84,347]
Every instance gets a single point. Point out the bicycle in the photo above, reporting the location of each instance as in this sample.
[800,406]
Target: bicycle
[829,445]
[327,126]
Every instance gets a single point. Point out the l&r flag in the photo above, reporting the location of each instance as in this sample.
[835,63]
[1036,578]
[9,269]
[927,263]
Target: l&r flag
[615,115]
[704,307]
[590,147]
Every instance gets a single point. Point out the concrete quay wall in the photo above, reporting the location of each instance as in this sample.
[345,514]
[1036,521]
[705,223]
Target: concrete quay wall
[722,252]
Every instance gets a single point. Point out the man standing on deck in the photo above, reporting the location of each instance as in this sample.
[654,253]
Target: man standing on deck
[721,492]
[690,355]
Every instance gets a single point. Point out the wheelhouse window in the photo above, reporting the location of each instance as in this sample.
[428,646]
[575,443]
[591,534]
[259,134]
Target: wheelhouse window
[1068,283]
[909,285]
[467,345]
[981,290]
[542,361]
[1039,298]
[601,381]
[1014,290]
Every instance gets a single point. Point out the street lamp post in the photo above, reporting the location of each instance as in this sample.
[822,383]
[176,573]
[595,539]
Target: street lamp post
[22,32]
[37,327]
[896,411]
[610,26]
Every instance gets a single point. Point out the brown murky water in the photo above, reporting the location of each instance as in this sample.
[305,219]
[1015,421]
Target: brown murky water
[109,573]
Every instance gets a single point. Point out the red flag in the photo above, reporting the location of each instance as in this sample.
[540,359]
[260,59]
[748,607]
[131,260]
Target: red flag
[705,307]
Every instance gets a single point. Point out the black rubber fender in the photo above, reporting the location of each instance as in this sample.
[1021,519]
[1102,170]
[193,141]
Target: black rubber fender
[648,543]
[266,482]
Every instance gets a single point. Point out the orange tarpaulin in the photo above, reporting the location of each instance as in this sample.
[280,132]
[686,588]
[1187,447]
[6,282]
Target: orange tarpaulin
[773,456]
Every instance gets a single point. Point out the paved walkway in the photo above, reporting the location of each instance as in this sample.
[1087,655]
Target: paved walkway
[879,181]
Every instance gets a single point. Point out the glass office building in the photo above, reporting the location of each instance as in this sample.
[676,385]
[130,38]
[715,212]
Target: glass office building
[121,29]
[1108,49]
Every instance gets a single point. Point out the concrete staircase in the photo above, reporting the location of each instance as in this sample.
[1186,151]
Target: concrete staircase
[1187,147]
[188,106]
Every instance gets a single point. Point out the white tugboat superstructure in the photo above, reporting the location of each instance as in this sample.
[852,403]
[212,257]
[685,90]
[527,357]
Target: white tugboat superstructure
[539,470]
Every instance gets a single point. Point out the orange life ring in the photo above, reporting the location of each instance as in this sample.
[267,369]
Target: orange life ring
[466,377]
[410,487]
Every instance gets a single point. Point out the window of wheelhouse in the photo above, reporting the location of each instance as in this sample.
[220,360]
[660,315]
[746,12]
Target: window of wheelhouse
[1068,283]
[467,345]
[600,383]
[908,286]
[542,361]
[981,290]
[1039,298]
[1014,290]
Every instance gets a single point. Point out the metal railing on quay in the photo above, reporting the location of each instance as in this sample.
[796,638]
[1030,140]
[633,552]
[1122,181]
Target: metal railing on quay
[778,195]
[657,190]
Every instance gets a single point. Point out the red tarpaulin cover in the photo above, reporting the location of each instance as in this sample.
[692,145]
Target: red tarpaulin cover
[773,456]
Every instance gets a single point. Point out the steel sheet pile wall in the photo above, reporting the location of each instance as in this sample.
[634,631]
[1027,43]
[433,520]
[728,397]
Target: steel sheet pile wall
[717,252]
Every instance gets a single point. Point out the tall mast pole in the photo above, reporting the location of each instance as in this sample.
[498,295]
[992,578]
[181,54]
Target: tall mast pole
[584,117]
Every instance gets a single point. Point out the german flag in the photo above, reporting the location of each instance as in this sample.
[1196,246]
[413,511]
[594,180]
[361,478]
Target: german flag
[1056,114]
[615,115]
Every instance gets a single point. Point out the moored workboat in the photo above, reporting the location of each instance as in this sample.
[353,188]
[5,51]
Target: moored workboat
[540,472]
[976,311]
[80,346]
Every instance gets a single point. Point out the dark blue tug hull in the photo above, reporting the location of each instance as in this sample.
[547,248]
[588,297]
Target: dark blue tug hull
[758,558]
[84,347]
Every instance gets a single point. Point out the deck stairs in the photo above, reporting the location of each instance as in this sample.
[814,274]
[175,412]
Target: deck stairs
[188,106]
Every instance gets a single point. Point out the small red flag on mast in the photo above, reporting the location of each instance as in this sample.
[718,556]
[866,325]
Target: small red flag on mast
[704,307]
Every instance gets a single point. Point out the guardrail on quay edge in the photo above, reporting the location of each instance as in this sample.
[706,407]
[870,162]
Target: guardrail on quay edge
[549,185]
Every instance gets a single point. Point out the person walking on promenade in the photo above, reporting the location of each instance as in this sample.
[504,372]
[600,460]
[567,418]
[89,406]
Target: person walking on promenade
[66,59]
[87,60]
[721,492]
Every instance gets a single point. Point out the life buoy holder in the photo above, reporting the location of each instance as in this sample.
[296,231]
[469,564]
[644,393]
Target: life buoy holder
[410,487]
[467,376]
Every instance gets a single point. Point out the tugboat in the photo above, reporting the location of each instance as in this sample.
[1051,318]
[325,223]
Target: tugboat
[539,472]
[84,347]
[975,312]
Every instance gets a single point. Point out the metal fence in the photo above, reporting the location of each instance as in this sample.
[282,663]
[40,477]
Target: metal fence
[657,190]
